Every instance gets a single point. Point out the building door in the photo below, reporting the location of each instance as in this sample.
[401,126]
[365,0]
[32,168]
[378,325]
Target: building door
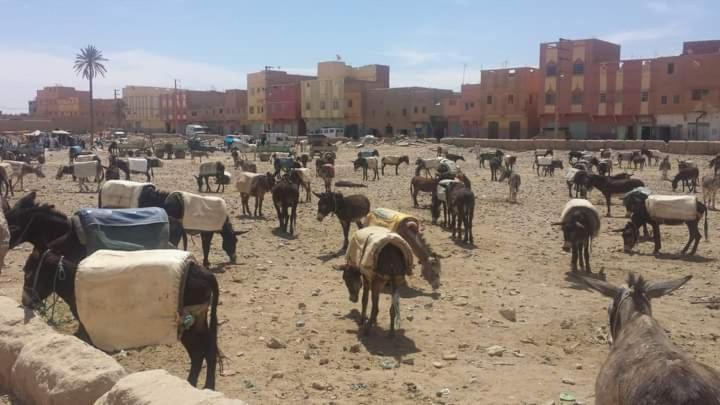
[664,134]
[515,129]
[493,130]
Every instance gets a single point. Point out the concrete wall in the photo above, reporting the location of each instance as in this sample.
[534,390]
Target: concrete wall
[674,147]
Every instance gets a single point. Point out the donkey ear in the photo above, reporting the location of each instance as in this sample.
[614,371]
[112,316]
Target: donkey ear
[660,288]
[618,230]
[556,224]
[238,233]
[318,195]
[603,287]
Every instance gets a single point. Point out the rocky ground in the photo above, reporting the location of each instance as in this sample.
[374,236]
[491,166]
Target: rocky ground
[508,325]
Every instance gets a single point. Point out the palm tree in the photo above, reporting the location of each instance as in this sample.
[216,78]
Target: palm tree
[88,63]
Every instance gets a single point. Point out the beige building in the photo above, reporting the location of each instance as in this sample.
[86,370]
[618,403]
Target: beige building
[336,97]
[273,102]
[144,108]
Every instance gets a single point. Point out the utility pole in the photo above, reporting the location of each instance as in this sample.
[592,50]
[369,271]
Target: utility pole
[115,103]
[175,99]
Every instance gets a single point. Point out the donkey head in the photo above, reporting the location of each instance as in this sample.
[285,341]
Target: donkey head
[44,274]
[353,282]
[37,170]
[230,238]
[632,298]
[326,204]
[630,234]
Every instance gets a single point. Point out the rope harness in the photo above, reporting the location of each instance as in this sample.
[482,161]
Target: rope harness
[60,275]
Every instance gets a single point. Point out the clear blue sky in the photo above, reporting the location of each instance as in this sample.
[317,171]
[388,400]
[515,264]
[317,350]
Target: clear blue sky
[214,43]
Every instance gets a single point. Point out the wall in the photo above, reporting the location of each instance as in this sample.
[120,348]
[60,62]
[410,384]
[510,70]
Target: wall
[143,108]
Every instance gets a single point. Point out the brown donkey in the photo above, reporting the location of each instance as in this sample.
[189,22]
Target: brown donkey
[644,366]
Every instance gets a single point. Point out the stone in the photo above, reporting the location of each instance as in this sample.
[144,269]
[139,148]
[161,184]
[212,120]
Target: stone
[438,364]
[567,324]
[449,356]
[409,361]
[355,348]
[277,374]
[275,344]
[568,381]
[324,361]
[300,323]
[320,386]
[495,351]
[509,314]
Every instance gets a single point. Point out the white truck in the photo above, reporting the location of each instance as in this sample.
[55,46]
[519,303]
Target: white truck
[193,130]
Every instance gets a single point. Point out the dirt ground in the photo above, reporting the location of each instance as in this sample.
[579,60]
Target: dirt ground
[286,288]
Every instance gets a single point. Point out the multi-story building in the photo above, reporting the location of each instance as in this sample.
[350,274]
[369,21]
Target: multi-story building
[685,93]
[572,85]
[69,109]
[143,108]
[592,93]
[273,102]
[221,112]
[471,110]
[509,102]
[414,111]
[451,112]
[335,98]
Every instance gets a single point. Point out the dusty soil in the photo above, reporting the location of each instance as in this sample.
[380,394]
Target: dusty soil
[439,356]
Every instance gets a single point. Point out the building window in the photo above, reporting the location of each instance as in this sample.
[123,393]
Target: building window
[551,69]
[349,103]
[670,68]
[424,110]
[415,110]
[619,98]
[510,99]
[663,100]
[489,99]
[336,105]
[308,106]
[698,94]
[603,98]
[578,67]
[220,111]
[550,98]
[404,112]
[262,110]
[644,96]
[577,96]
[322,105]
[307,84]
[676,99]
[252,110]
[467,106]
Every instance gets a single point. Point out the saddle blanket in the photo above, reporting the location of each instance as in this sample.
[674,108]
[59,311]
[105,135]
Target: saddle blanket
[210,169]
[442,188]
[672,207]
[122,229]
[580,203]
[367,243]
[85,158]
[131,299]
[85,169]
[138,165]
[544,160]
[388,218]
[570,174]
[202,213]
[245,180]
[121,193]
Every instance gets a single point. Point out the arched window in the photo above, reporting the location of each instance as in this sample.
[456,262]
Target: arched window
[577,96]
[550,97]
[551,69]
[578,67]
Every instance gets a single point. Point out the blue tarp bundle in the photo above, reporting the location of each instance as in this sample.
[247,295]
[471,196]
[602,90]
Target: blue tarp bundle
[122,229]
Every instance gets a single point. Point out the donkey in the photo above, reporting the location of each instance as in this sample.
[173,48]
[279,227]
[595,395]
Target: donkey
[626,156]
[256,186]
[327,173]
[644,366]
[454,157]
[579,225]
[461,207]
[365,164]
[5,188]
[391,268]
[328,159]
[513,183]
[653,155]
[353,208]
[710,186]
[426,165]
[482,157]
[394,161]
[609,186]
[301,177]
[49,272]
[494,168]
[172,203]
[688,176]
[303,159]
[550,169]
[638,161]
[665,167]
[421,183]
[62,170]
[285,197]
[509,161]
[285,164]
[204,176]
[22,169]
[715,164]
[640,216]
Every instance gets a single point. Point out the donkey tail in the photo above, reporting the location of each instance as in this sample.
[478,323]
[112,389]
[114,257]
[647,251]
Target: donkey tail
[706,224]
[213,349]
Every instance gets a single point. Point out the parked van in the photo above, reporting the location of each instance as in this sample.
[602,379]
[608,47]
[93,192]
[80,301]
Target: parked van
[276,138]
[330,132]
[193,130]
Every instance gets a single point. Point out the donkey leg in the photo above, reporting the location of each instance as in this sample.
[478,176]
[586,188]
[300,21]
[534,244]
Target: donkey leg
[196,350]
[574,258]
[586,250]
[391,334]
[691,237]
[366,290]
[346,229]
[376,287]
[698,236]
[206,238]
[656,237]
